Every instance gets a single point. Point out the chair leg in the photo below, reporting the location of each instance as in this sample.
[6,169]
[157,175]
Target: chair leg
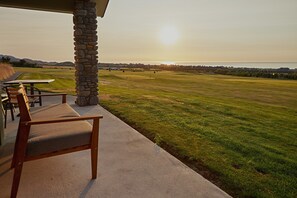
[19,156]
[15,151]
[11,111]
[16,180]
[12,162]
[5,117]
[94,161]
[94,147]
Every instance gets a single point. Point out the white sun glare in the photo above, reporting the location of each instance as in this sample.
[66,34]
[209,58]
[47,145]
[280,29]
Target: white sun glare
[169,35]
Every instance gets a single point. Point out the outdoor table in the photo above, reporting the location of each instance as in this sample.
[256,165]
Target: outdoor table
[30,82]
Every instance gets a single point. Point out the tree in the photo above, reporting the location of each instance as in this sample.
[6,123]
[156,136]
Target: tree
[5,59]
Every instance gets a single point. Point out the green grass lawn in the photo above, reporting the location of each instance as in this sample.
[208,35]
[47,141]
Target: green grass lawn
[239,132]
[64,78]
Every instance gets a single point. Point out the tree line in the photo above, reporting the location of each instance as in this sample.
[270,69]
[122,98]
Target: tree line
[277,73]
[20,63]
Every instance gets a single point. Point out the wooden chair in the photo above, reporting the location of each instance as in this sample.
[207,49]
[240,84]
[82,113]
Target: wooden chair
[12,102]
[43,133]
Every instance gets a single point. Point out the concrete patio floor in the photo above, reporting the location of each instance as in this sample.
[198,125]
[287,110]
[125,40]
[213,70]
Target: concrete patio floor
[129,165]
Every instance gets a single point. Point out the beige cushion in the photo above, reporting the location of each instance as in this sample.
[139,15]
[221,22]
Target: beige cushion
[47,138]
[53,111]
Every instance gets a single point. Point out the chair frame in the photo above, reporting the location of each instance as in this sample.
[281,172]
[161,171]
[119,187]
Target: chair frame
[19,156]
[3,108]
[10,105]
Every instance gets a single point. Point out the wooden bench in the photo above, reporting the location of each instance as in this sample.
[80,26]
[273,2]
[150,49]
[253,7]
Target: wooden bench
[46,132]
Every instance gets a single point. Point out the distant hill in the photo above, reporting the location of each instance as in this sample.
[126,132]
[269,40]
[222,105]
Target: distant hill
[38,62]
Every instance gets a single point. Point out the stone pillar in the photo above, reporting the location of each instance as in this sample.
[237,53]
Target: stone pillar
[86,51]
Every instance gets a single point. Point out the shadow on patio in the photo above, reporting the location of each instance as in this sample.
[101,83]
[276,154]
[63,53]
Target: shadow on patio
[129,165]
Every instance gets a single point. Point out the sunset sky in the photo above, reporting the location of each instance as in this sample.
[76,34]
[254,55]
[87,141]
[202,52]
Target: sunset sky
[162,31]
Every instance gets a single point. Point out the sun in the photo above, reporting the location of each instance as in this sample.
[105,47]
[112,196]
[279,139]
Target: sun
[169,35]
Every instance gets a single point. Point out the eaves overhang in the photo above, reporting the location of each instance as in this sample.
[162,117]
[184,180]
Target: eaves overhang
[63,6]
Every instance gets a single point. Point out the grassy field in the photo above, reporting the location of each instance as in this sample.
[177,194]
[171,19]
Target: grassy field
[239,132]
[64,78]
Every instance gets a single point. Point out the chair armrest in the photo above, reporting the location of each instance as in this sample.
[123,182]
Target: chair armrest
[4,99]
[58,94]
[73,119]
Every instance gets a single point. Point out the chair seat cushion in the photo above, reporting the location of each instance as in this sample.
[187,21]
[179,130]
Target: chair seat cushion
[47,138]
[52,111]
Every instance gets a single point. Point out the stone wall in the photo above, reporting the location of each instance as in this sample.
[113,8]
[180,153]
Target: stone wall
[86,51]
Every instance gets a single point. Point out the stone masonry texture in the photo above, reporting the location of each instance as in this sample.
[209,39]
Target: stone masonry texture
[86,52]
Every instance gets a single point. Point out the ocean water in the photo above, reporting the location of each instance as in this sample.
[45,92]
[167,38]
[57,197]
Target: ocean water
[274,65]
[291,65]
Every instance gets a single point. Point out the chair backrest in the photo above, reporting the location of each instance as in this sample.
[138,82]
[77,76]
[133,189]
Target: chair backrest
[24,105]
[12,93]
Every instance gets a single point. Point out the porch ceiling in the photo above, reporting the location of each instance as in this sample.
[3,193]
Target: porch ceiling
[64,6]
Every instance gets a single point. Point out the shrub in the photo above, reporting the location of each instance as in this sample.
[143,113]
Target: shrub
[6,70]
